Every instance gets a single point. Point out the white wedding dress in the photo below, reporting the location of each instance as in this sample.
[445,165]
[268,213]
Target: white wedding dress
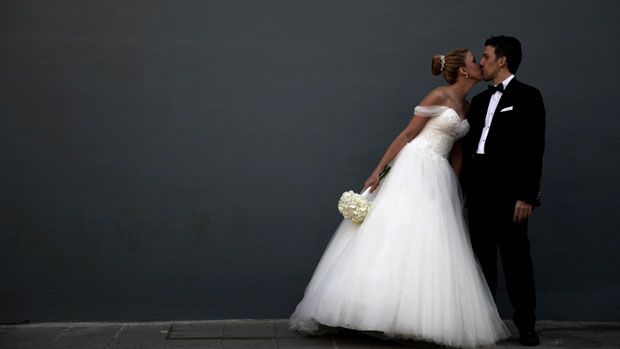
[408,270]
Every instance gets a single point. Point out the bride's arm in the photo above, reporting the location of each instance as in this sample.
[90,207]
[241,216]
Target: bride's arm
[413,128]
[456,157]
[456,154]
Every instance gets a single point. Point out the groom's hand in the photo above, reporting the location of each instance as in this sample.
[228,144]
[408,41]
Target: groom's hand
[523,211]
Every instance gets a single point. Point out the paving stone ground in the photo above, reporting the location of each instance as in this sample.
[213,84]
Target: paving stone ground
[267,334]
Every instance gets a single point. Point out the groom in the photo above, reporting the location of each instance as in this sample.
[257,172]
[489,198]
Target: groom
[501,176]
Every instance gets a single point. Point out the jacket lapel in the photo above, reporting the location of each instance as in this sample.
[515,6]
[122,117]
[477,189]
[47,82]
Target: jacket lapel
[496,124]
[506,100]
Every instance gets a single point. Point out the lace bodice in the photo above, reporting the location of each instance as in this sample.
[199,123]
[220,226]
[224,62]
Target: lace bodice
[440,132]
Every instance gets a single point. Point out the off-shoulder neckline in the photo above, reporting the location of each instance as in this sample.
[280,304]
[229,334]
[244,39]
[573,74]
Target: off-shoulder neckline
[445,106]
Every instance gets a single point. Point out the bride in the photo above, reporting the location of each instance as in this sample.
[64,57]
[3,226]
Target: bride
[408,270]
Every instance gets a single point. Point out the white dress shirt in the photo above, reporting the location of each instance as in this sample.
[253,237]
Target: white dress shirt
[490,112]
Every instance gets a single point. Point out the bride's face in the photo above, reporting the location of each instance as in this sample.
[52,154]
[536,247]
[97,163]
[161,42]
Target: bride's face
[472,68]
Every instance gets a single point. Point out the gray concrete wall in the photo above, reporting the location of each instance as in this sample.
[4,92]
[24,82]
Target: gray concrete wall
[183,159]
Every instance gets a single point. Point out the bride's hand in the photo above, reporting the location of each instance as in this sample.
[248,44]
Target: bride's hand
[372,182]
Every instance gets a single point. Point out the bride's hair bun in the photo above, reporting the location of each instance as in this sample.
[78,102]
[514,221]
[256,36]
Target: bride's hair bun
[436,65]
[449,65]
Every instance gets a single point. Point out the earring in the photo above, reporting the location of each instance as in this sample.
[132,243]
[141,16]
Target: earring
[466,75]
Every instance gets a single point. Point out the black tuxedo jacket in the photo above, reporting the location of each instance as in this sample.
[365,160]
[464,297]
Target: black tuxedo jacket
[514,146]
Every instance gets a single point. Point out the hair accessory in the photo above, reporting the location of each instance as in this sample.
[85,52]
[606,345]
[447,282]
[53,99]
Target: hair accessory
[443,61]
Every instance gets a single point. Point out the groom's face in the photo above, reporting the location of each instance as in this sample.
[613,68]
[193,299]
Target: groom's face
[489,64]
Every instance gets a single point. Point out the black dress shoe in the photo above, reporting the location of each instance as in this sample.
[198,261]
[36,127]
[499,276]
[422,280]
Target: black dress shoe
[529,338]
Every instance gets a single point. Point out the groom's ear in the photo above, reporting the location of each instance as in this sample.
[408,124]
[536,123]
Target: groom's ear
[501,61]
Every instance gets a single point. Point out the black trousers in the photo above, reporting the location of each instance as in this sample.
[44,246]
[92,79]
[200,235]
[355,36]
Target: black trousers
[491,230]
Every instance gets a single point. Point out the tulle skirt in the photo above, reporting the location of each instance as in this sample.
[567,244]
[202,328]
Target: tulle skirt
[408,270]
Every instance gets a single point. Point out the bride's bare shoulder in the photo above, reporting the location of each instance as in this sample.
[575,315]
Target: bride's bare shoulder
[436,97]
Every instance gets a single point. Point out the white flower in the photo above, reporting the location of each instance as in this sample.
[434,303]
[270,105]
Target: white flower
[354,206]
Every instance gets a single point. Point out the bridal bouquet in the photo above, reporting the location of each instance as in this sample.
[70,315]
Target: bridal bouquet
[355,206]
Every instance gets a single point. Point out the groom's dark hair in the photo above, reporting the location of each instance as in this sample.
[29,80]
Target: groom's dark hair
[509,47]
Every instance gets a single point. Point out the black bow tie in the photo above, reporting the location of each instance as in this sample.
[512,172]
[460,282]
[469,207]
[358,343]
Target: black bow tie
[497,88]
